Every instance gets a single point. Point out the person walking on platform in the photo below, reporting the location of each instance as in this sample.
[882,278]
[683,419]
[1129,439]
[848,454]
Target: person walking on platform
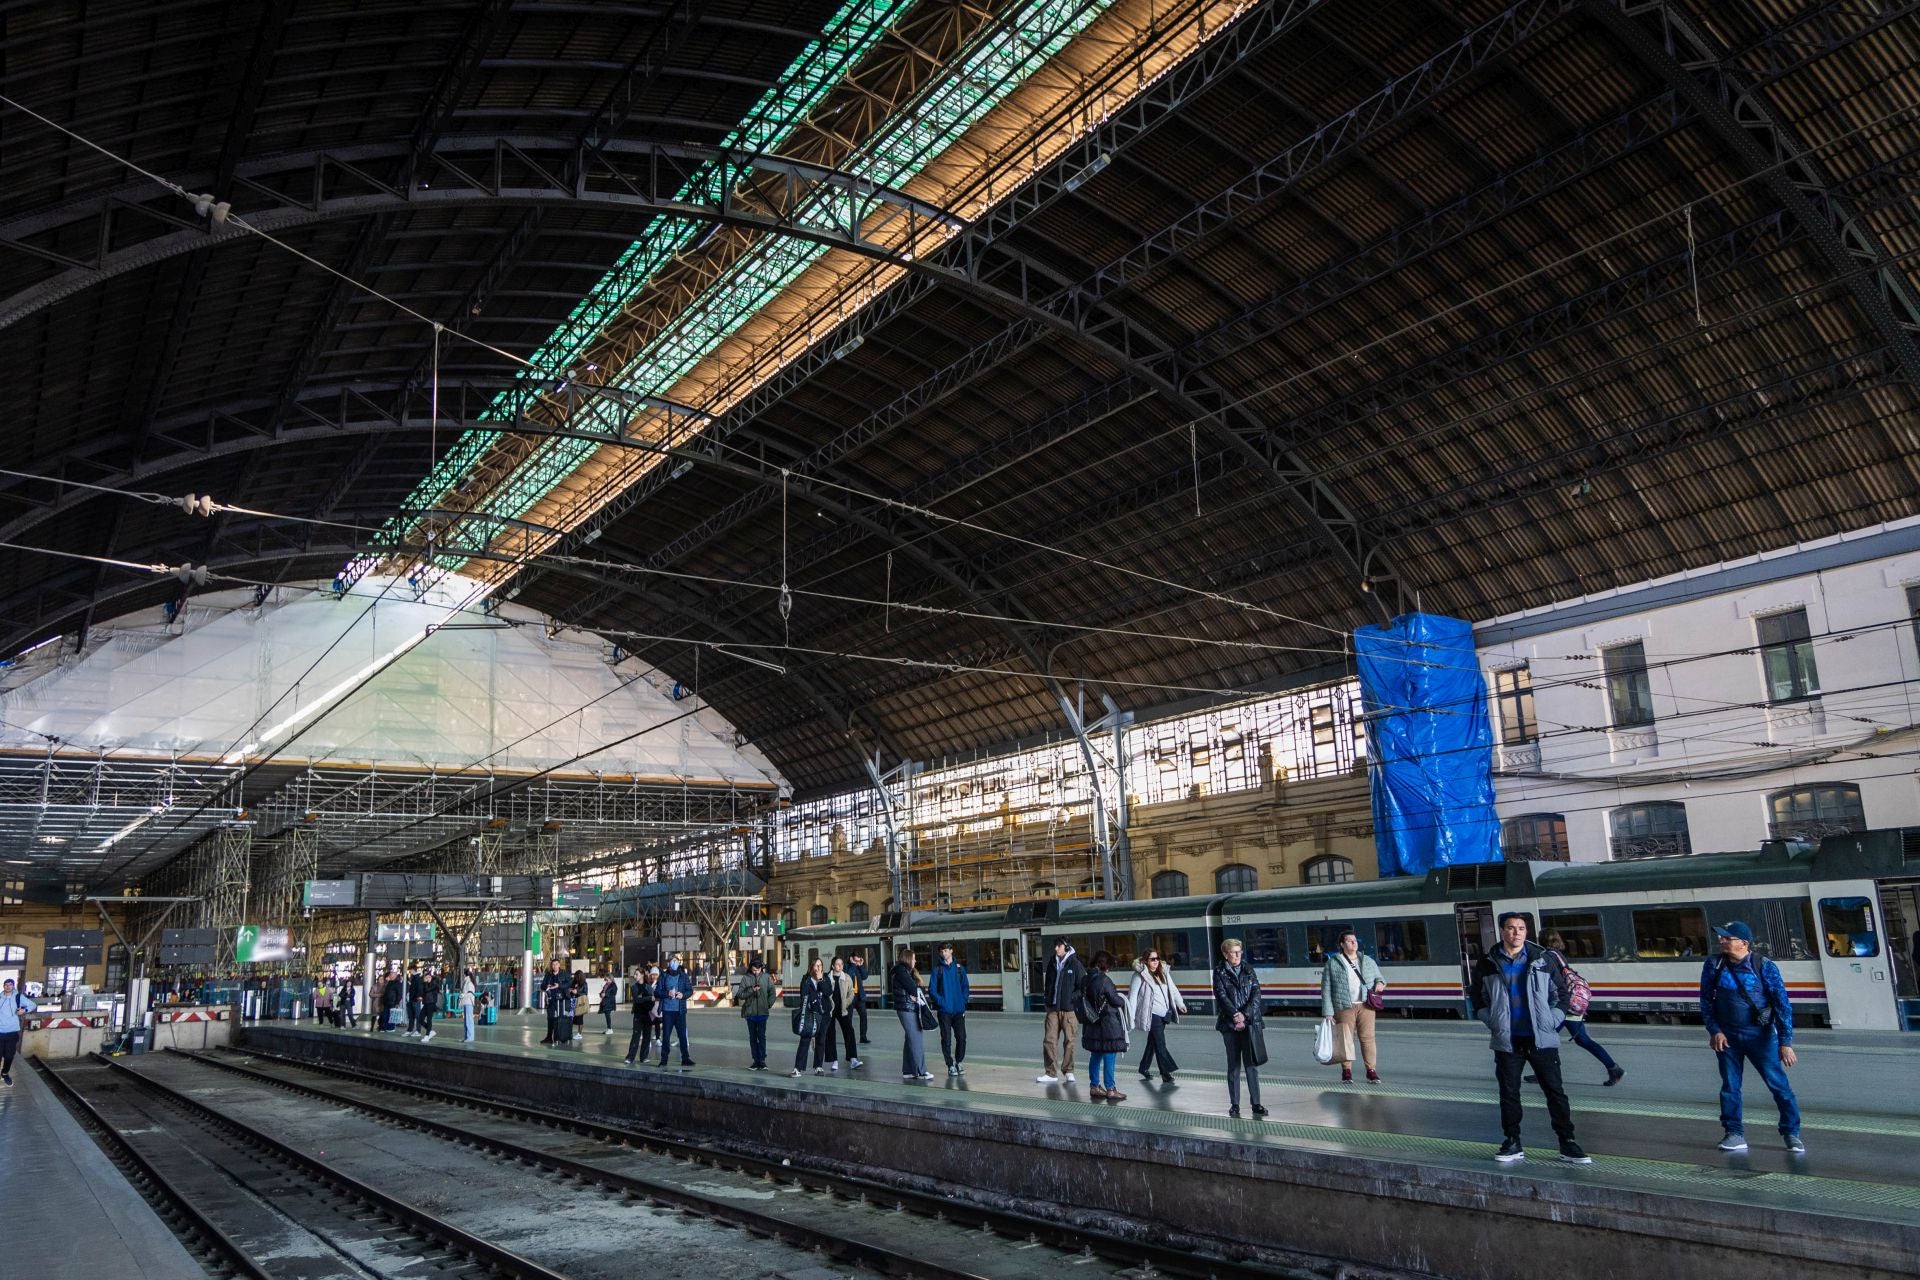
[857,970]
[1518,990]
[553,987]
[1106,1037]
[1240,1018]
[1349,984]
[646,1013]
[12,1005]
[1743,1001]
[468,989]
[1153,1004]
[392,995]
[948,986]
[431,993]
[1576,1025]
[673,990]
[609,1001]
[1061,1028]
[812,1018]
[756,998]
[841,984]
[416,999]
[903,987]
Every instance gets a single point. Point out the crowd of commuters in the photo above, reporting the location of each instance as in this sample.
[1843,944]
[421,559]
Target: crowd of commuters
[1525,994]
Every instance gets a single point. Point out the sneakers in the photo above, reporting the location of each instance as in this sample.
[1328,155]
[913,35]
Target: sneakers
[1373,1077]
[908,1075]
[1794,1144]
[959,1068]
[855,1065]
[952,1070]
[607,1032]
[1258,1110]
[1234,1112]
[6,1082]
[794,1074]
[1614,1075]
[1046,1079]
[1346,1075]
[426,1037]
[819,1071]
[1510,1151]
[1571,1153]
[924,1075]
[1734,1142]
[1067,1078]
[629,1061]
[833,1066]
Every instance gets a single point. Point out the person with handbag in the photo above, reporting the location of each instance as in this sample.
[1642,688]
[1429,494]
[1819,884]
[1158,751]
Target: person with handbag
[756,998]
[1743,1001]
[1240,1018]
[916,1016]
[1154,1004]
[1351,993]
[812,1018]
[1105,1036]
[646,1014]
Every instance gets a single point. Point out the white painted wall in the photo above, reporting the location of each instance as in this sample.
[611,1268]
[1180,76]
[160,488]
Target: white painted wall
[1861,729]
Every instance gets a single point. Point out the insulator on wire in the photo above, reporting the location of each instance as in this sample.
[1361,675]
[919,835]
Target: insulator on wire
[196,504]
[194,574]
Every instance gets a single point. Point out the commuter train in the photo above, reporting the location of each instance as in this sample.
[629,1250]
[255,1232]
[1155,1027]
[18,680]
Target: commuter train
[1841,922]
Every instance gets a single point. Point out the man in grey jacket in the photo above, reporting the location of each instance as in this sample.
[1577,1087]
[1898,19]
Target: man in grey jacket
[1519,992]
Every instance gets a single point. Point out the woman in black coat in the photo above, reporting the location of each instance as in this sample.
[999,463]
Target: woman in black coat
[609,1001]
[812,1018]
[1106,1036]
[1240,1018]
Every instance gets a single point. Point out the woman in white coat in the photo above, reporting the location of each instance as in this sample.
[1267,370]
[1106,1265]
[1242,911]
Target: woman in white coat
[1153,1001]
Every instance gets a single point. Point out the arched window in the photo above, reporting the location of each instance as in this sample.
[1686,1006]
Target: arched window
[792,920]
[859,913]
[1328,870]
[1043,889]
[1816,812]
[1170,884]
[817,916]
[13,955]
[1657,829]
[1535,837]
[1236,878]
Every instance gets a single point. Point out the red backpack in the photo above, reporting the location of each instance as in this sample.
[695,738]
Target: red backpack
[1579,994]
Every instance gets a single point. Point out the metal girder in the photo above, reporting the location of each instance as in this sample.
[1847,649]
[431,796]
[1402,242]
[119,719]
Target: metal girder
[321,186]
[1680,52]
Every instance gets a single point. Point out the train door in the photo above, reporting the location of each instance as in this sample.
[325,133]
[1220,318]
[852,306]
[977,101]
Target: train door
[1900,900]
[1478,936]
[1856,960]
[1012,978]
[1034,963]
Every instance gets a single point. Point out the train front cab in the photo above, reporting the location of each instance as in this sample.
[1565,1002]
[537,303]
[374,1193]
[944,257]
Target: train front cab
[1865,900]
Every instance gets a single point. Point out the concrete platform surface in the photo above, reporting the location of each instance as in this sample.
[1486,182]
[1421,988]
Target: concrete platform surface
[91,1223]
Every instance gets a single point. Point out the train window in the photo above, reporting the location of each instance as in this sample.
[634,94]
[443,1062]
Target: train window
[1266,944]
[1577,935]
[989,956]
[1123,947]
[1323,940]
[1176,948]
[1847,926]
[1669,933]
[1400,941]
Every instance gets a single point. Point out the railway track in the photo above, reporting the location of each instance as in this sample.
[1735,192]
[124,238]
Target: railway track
[251,1205]
[1042,1244]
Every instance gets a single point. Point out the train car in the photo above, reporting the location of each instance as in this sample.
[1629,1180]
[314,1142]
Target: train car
[1840,921]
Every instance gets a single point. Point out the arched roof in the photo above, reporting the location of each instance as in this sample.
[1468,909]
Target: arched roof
[1488,305]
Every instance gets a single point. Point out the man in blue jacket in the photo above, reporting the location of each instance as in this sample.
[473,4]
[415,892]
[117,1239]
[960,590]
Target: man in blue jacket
[949,988]
[673,991]
[1743,1001]
[12,1005]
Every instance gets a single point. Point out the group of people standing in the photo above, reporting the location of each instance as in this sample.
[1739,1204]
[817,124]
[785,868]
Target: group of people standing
[421,992]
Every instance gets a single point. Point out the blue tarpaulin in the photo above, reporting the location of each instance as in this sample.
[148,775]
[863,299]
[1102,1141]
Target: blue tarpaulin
[1431,744]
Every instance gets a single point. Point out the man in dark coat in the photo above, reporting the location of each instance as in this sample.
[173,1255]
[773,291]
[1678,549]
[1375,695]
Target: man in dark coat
[554,986]
[416,999]
[392,995]
[1064,975]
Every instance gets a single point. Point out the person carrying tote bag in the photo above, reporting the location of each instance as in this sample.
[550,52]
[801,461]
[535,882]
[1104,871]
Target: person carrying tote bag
[1350,995]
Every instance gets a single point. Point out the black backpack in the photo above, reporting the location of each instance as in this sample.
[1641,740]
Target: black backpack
[1090,1005]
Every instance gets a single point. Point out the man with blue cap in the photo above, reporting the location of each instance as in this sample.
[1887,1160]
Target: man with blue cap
[1743,1001]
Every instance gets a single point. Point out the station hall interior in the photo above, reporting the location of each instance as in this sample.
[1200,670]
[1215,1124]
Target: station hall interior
[1307,610]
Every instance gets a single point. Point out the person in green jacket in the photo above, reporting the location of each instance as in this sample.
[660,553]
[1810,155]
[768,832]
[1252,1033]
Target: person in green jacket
[756,997]
[1348,979]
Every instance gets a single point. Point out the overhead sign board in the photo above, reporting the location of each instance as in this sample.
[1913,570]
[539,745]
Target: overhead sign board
[762,930]
[503,939]
[404,933]
[262,943]
[577,895]
[188,946]
[331,893]
[64,948]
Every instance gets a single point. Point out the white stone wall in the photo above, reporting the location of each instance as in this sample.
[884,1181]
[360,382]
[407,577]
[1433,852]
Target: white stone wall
[1716,745]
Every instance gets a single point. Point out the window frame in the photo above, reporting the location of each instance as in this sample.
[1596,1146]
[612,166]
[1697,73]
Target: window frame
[1590,923]
[1649,808]
[1185,881]
[1234,870]
[1335,864]
[1819,824]
[1266,944]
[1410,928]
[858,912]
[1793,653]
[1628,686]
[1704,936]
[1864,906]
[1517,699]
[13,955]
[818,915]
[1557,843]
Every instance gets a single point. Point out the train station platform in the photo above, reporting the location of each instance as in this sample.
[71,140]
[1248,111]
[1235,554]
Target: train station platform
[1398,1175]
[71,1215]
